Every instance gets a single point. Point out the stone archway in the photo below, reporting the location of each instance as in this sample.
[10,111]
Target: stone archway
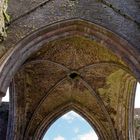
[71,125]
[101,61]
[60,112]
[9,63]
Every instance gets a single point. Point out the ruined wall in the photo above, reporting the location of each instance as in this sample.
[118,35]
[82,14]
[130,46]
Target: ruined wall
[121,17]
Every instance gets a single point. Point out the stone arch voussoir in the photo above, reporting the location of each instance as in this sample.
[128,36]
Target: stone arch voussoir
[17,55]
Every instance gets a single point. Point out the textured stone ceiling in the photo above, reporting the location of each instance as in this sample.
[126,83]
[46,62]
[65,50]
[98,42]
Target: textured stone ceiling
[74,72]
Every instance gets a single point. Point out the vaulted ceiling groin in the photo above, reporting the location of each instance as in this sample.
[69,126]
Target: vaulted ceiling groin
[74,73]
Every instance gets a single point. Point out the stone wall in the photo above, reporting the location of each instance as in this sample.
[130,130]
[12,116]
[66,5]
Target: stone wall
[3,17]
[4,109]
[137,123]
[120,17]
[27,16]
[2,23]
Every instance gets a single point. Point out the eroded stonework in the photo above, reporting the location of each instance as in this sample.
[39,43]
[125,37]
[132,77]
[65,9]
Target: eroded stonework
[4,113]
[137,123]
[62,55]
[101,86]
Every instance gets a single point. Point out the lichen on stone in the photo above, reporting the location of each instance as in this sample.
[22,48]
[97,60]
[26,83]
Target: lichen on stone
[4,17]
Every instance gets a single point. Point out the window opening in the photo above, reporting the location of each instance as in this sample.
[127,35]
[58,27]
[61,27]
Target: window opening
[6,97]
[137,97]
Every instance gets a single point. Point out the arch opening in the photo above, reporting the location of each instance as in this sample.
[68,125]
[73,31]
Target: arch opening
[137,96]
[34,43]
[6,98]
[64,29]
[70,126]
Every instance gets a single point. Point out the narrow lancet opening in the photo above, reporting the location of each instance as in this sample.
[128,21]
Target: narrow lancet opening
[137,97]
[137,112]
[71,126]
[6,97]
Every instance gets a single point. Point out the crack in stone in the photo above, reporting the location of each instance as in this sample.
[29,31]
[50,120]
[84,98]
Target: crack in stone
[119,12]
[102,1]
[27,13]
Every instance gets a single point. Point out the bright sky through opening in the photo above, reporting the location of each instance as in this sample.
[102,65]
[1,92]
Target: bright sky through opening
[137,97]
[70,126]
[6,98]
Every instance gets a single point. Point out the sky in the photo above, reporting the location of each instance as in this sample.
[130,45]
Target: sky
[137,96]
[70,126]
[6,98]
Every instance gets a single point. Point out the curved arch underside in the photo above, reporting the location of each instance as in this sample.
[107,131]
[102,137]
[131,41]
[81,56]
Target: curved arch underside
[64,29]
[101,88]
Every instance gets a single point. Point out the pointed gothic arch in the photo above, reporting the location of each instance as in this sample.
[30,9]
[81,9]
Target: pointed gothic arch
[64,29]
[13,60]
[70,125]
[62,111]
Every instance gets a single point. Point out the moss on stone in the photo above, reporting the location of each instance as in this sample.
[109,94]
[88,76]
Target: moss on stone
[4,17]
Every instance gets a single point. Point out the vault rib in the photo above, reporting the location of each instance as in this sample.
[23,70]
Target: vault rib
[105,64]
[101,103]
[46,60]
[42,100]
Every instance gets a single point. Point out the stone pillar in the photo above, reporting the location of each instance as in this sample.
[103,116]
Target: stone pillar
[137,123]
[4,111]
[3,17]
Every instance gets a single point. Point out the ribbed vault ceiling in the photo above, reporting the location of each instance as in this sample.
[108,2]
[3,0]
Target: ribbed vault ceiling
[75,71]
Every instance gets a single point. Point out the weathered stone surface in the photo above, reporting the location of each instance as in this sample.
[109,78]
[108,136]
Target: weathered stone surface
[4,111]
[3,17]
[56,10]
[44,86]
[2,23]
[137,123]
[42,89]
